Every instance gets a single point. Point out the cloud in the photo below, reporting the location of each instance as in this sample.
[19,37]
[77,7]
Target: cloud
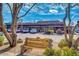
[53,11]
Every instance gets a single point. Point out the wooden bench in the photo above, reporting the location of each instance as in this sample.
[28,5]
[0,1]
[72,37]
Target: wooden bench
[31,43]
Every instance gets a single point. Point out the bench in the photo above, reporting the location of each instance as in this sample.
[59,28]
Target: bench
[31,43]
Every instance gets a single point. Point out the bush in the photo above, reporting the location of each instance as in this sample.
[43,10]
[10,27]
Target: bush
[59,31]
[1,38]
[62,44]
[69,52]
[61,52]
[52,52]
[58,52]
[49,52]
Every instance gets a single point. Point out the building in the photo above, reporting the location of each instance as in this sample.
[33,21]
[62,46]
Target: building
[40,26]
[51,24]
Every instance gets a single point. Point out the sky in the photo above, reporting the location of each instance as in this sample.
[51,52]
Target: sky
[42,12]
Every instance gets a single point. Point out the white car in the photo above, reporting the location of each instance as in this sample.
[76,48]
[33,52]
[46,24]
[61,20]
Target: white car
[33,30]
[25,30]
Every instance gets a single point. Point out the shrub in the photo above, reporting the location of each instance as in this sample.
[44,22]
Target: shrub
[69,52]
[49,52]
[1,38]
[57,52]
[62,44]
[59,31]
[61,52]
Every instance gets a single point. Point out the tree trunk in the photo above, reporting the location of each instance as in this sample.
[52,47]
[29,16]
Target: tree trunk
[14,24]
[69,28]
[70,40]
[72,35]
[3,26]
[64,21]
[67,38]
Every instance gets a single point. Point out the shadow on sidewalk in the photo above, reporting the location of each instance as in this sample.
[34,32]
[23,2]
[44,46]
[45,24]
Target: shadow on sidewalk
[5,50]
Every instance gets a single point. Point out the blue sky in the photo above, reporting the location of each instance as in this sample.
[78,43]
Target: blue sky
[42,12]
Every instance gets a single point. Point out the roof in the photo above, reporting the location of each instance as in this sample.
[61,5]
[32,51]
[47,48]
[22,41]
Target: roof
[43,23]
[49,22]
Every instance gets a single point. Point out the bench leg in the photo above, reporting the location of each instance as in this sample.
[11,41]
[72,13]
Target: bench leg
[22,51]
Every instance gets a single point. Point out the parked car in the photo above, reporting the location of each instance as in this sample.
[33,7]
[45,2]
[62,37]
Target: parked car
[33,31]
[18,30]
[25,31]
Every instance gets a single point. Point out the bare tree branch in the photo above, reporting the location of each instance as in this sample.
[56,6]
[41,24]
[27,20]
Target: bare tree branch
[65,32]
[75,5]
[3,26]
[19,4]
[19,8]
[73,31]
[10,8]
[68,13]
[27,11]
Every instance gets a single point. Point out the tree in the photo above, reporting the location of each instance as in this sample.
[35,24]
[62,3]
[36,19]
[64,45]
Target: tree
[69,37]
[12,38]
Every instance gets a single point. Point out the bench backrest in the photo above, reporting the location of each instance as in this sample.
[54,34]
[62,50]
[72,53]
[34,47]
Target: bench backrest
[38,42]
